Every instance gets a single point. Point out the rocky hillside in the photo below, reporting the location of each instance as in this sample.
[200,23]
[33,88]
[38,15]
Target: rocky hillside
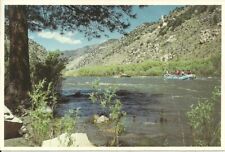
[190,32]
[75,56]
[70,54]
[36,53]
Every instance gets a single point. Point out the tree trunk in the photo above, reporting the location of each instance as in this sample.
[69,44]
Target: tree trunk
[19,69]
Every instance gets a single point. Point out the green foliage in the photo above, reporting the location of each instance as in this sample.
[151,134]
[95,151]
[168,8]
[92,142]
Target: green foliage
[108,100]
[40,118]
[41,128]
[50,69]
[43,125]
[68,122]
[205,125]
[36,54]
[77,17]
[202,67]
[42,94]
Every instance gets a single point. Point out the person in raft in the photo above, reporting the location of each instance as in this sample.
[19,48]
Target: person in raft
[189,72]
[177,72]
[182,73]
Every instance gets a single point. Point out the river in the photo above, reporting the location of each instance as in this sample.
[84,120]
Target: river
[146,101]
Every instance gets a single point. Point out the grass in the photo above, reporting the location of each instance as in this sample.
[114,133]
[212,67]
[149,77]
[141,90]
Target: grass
[205,121]
[202,67]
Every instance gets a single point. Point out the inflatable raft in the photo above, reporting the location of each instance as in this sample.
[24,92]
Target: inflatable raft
[176,77]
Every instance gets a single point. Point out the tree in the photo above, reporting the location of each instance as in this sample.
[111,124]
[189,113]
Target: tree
[92,21]
[19,77]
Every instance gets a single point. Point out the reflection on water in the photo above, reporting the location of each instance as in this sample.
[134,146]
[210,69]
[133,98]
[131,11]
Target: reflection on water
[156,108]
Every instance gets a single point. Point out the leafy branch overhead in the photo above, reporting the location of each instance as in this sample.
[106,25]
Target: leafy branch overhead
[92,21]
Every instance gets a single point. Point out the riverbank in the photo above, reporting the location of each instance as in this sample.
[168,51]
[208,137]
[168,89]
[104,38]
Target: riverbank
[18,142]
[58,139]
[24,140]
[203,67]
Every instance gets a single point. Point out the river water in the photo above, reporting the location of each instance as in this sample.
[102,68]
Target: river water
[156,108]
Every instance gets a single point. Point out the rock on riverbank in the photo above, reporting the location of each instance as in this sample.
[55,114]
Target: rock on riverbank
[66,140]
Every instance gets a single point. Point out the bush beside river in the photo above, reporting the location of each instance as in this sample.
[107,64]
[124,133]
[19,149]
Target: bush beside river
[202,67]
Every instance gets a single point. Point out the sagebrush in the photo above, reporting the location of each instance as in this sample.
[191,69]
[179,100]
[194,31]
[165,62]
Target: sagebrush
[204,119]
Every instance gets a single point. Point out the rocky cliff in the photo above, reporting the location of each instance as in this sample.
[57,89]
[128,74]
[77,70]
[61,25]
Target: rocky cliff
[190,32]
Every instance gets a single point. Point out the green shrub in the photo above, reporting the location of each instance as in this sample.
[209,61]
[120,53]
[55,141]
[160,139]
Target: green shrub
[68,122]
[43,125]
[40,118]
[108,100]
[155,71]
[203,119]
[50,69]
[42,95]
[201,67]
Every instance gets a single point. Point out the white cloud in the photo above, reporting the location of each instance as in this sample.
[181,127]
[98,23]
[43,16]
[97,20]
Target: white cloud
[66,38]
[69,34]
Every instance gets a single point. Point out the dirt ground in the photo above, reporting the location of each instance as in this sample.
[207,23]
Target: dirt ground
[18,142]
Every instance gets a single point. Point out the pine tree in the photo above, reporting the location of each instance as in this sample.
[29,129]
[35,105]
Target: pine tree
[19,77]
[92,21]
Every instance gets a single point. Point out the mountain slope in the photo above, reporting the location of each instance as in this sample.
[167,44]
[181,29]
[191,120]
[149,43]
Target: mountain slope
[191,32]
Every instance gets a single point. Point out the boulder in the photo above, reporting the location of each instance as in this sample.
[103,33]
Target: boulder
[77,94]
[7,114]
[123,93]
[101,119]
[94,119]
[66,140]
[12,124]
[81,94]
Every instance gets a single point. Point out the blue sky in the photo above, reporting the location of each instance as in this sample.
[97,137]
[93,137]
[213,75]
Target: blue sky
[52,40]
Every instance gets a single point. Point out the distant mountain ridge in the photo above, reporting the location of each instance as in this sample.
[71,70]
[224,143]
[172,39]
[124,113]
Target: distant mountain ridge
[190,32]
